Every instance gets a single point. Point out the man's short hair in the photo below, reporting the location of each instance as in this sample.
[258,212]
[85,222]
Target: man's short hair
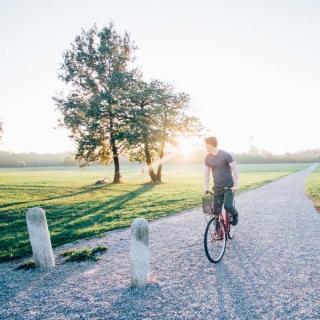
[211,140]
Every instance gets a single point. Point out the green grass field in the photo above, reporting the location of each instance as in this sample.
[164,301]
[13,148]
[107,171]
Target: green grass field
[313,187]
[77,209]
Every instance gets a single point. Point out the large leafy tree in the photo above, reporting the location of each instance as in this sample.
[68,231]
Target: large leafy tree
[157,116]
[141,119]
[96,70]
[172,109]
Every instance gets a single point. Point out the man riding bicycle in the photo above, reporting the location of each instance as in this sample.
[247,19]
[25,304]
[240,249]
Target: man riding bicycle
[225,174]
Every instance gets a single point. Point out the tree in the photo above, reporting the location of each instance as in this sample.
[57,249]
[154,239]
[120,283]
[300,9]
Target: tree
[156,116]
[140,117]
[96,70]
[173,119]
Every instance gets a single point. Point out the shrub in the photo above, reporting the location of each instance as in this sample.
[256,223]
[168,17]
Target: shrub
[83,254]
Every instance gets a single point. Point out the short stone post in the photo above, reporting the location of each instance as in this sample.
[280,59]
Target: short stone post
[139,253]
[40,238]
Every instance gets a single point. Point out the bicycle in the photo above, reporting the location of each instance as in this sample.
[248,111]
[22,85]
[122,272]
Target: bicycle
[218,229]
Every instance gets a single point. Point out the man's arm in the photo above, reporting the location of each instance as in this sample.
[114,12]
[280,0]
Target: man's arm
[235,173]
[206,178]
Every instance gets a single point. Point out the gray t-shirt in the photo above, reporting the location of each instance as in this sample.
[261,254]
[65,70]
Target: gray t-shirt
[221,171]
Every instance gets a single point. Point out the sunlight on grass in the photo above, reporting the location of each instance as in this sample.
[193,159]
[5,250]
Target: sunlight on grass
[313,187]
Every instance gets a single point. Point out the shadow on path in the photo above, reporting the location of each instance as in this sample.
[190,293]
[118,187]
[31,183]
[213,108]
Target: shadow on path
[137,300]
[230,289]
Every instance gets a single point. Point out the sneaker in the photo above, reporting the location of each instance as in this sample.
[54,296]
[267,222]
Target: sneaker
[235,220]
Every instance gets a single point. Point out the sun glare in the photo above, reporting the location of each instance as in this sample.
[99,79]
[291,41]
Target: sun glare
[185,146]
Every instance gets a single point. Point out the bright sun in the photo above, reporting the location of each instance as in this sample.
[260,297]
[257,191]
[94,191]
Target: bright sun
[185,146]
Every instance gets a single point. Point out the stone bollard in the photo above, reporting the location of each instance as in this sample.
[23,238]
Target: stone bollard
[40,238]
[139,253]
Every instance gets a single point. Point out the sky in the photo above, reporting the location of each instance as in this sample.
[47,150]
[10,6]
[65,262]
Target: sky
[252,68]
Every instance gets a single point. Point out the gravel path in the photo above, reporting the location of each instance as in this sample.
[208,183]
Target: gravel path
[270,269]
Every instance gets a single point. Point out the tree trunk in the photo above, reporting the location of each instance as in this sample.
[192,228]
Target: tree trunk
[152,174]
[117,175]
[159,171]
[161,154]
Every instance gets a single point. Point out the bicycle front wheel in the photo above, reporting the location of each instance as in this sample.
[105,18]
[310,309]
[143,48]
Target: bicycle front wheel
[215,240]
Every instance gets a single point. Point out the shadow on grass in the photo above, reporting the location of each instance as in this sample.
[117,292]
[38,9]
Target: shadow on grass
[80,216]
[87,189]
[67,222]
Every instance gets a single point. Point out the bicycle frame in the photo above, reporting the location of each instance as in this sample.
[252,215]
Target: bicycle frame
[223,217]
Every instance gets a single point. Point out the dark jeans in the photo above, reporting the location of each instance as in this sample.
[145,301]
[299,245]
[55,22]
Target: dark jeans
[224,197]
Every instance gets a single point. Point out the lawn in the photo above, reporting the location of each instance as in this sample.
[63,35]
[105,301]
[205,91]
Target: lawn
[76,208]
[313,187]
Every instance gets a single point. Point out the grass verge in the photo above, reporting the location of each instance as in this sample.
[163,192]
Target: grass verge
[313,187]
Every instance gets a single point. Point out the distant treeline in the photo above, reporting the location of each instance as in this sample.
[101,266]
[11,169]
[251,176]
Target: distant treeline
[20,160]
[256,155]
[267,157]
[66,159]
[10,159]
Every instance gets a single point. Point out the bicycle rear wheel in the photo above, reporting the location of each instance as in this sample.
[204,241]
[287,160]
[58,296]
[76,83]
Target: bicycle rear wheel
[215,240]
